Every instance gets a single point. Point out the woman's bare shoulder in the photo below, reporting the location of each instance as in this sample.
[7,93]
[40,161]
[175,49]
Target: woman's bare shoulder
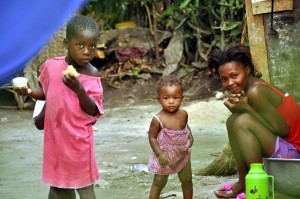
[259,93]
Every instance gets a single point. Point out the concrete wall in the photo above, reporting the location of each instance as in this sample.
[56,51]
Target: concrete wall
[284,49]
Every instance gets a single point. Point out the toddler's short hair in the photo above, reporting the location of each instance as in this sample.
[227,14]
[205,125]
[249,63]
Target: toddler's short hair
[81,23]
[168,80]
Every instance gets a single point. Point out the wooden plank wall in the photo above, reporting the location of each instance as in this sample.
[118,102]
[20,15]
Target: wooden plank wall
[256,35]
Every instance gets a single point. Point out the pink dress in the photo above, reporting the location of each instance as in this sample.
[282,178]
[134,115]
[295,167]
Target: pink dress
[69,157]
[177,146]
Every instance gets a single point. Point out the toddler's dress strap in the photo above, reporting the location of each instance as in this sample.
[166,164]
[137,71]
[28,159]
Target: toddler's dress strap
[159,121]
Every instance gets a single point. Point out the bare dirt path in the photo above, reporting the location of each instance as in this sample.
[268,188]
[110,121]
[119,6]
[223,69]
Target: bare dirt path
[122,152]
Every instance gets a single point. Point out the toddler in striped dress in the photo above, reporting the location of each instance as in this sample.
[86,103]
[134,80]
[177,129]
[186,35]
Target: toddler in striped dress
[170,139]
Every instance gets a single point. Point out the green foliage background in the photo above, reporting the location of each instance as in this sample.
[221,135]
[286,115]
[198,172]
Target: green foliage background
[205,23]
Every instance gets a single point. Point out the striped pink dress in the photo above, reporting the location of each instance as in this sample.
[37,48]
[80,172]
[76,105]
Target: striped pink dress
[177,147]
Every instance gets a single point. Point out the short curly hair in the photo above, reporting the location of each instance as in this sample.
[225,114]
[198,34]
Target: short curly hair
[168,80]
[81,23]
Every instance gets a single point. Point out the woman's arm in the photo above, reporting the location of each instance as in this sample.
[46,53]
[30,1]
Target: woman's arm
[261,108]
[260,96]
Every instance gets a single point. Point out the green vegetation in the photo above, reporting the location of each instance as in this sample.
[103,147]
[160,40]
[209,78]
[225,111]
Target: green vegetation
[205,23]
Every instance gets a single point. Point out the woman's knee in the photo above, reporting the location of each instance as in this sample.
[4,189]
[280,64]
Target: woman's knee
[231,120]
[239,121]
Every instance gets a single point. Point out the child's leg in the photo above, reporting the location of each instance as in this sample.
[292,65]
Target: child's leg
[87,192]
[159,182]
[52,193]
[58,193]
[185,177]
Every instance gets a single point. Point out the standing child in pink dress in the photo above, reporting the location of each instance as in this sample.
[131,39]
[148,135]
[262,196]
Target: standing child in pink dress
[73,105]
[170,139]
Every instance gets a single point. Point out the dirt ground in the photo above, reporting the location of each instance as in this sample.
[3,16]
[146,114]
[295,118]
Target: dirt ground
[122,148]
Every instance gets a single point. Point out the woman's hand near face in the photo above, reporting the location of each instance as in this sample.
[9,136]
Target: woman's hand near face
[237,103]
[233,98]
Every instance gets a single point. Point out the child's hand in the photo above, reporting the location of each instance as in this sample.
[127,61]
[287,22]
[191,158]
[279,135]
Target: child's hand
[24,91]
[163,159]
[73,83]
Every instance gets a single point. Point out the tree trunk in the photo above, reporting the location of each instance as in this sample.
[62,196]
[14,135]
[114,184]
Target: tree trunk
[154,31]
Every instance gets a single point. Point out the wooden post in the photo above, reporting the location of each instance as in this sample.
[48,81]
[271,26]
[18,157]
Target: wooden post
[256,35]
[264,6]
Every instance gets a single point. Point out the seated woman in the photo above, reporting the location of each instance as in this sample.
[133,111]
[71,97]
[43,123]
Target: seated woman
[265,121]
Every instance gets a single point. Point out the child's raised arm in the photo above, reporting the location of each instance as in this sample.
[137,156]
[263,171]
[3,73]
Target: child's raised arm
[87,104]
